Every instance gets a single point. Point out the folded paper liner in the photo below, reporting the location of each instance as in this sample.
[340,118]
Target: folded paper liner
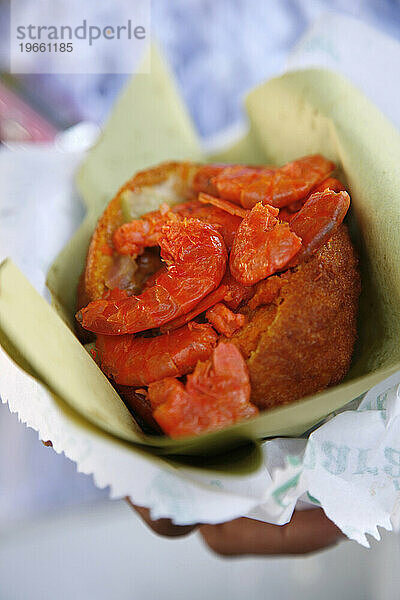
[68,400]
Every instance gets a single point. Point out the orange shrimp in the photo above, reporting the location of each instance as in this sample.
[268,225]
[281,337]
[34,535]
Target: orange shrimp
[203,179]
[137,361]
[319,218]
[216,395]
[133,237]
[232,209]
[262,246]
[224,320]
[230,291]
[275,186]
[227,224]
[330,183]
[196,256]
[287,213]
[216,296]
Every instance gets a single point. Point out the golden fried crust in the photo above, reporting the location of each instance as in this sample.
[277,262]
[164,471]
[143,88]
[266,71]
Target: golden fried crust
[303,342]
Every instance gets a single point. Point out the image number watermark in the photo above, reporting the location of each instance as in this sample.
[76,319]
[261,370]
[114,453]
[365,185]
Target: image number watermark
[74,37]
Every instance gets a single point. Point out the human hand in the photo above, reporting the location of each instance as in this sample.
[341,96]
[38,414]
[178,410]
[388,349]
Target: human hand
[308,531]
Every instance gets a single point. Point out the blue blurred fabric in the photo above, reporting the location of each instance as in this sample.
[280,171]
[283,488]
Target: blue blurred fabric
[217,49]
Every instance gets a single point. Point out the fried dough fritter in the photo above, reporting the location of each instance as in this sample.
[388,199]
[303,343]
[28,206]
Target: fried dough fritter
[300,340]
[303,341]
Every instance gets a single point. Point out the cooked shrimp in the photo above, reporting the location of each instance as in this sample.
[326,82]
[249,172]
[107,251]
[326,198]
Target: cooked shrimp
[262,246]
[133,237]
[275,186]
[229,207]
[137,361]
[317,221]
[287,213]
[231,292]
[216,395]
[196,257]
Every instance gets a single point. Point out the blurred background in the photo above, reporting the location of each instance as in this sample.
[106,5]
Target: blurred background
[59,535]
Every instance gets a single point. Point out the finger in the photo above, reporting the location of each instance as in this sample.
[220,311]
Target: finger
[308,531]
[163,527]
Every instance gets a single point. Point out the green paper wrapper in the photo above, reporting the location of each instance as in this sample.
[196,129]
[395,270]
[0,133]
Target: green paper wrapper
[303,112]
